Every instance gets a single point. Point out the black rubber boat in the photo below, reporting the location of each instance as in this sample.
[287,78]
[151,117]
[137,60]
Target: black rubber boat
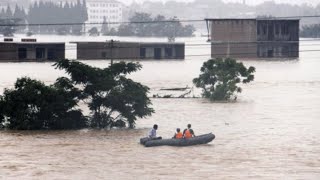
[202,139]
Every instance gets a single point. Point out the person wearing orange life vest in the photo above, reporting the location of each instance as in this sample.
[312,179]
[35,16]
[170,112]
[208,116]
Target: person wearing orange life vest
[188,133]
[178,134]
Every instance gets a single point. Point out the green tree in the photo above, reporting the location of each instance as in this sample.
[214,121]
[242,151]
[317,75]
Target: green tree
[7,26]
[32,105]
[219,78]
[94,32]
[111,96]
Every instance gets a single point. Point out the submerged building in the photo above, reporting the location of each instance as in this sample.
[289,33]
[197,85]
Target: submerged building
[254,38]
[129,50]
[30,50]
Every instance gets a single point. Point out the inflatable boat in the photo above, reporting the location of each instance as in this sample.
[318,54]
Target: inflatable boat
[202,139]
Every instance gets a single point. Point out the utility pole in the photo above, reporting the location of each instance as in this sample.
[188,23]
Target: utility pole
[111,48]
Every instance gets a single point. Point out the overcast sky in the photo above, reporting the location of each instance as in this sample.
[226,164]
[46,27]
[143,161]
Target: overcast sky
[251,2]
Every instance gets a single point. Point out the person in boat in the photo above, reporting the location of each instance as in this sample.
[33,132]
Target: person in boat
[188,133]
[153,132]
[178,134]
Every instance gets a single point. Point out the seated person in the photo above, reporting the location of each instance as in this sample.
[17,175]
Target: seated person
[178,134]
[153,133]
[188,133]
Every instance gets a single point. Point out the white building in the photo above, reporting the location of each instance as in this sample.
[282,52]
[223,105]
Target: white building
[98,9]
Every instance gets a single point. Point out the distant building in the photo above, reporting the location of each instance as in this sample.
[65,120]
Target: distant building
[254,38]
[129,50]
[98,9]
[31,51]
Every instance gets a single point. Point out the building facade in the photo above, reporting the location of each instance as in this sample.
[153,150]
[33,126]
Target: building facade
[254,38]
[129,50]
[100,9]
[31,51]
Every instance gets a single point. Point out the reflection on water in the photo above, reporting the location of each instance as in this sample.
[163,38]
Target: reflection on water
[271,132]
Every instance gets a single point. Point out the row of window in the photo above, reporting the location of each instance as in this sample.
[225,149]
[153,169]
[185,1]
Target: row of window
[108,17]
[103,5]
[277,29]
[103,11]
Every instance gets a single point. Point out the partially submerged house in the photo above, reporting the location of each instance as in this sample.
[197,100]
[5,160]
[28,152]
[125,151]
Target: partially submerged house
[30,50]
[254,38]
[129,50]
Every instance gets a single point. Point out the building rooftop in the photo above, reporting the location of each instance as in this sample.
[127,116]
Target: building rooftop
[253,19]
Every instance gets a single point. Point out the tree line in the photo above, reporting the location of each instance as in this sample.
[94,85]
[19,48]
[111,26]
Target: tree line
[310,31]
[144,25]
[45,13]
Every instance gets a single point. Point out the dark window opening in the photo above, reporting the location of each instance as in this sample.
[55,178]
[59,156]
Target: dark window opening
[104,54]
[51,54]
[157,53]
[264,29]
[168,52]
[40,53]
[270,52]
[22,53]
[143,53]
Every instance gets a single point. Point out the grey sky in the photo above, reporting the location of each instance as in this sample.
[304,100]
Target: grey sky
[251,2]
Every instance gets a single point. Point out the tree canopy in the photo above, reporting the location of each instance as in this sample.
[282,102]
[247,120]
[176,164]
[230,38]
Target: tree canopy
[32,105]
[144,25]
[219,78]
[110,95]
[311,31]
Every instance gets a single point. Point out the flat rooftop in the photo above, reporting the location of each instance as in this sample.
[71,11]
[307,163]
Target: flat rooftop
[253,19]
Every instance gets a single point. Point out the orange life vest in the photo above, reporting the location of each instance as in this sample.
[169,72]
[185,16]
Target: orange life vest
[179,135]
[187,134]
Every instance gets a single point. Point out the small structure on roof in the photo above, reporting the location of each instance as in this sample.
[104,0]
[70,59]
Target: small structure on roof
[129,50]
[254,38]
[30,50]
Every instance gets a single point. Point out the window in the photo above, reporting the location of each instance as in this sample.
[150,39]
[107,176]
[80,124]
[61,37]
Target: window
[40,53]
[143,53]
[104,54]
[51,54]
[22,53]
[277,29]
[168,52]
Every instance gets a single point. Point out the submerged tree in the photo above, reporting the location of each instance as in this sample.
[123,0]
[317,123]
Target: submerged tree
[219,78]
[111,97]
[32,105]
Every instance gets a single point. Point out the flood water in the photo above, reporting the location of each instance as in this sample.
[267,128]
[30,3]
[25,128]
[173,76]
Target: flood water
[271,132]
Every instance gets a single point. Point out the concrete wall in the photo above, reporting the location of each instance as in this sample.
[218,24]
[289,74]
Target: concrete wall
[233,30]
[234,50]
[10,51]
[103,50]
[126,50]
[234,38]
[251,38]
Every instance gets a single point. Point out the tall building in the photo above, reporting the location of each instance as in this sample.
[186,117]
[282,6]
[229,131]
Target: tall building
[100,9]
[254,38]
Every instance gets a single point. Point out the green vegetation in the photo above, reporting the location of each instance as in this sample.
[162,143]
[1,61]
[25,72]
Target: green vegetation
[32,105]
[155,27]
[219,78]
[113,99]
[311,31]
